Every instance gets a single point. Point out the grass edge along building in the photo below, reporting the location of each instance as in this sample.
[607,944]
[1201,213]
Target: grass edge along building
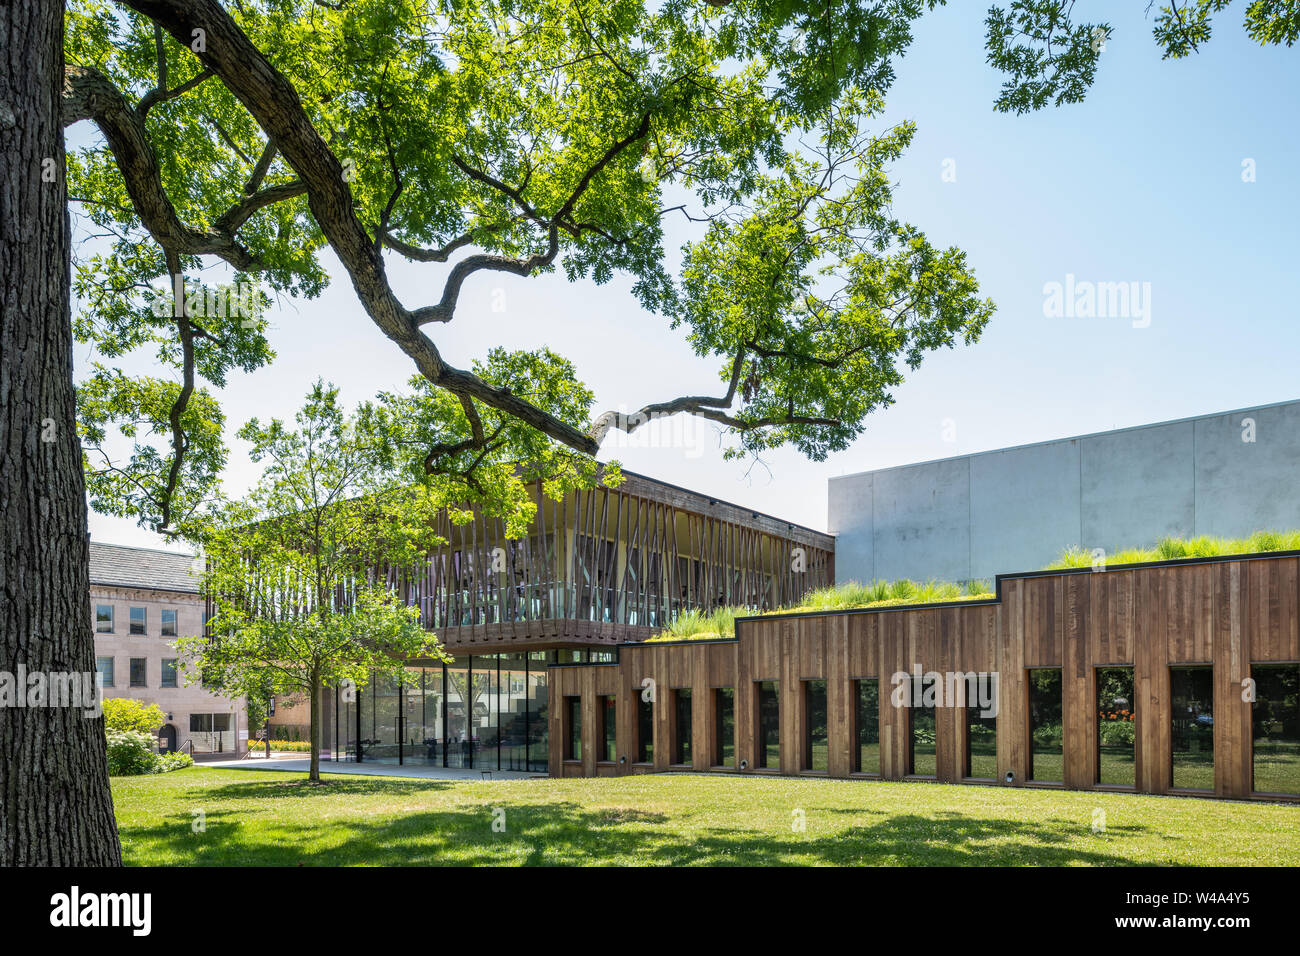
[1205,653]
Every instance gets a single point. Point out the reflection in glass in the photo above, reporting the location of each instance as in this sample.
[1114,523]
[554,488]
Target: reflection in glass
[816,747]
[1191,693]
[1046,740]
[769,726]
[981,727]
[645,730]
[608,713]
[1275,717]
[572,728]
[1116,727]
[539,754]
[682,726]
[724,703]
[921,740]
[866,755]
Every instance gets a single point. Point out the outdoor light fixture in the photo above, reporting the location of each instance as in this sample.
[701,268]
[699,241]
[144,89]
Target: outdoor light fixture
[744,765]
[1010,777]
[623,759]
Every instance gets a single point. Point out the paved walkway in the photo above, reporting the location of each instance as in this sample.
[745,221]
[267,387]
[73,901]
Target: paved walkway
[301,765]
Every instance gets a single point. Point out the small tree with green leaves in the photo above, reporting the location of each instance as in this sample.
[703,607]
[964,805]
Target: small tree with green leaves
[300,572]
[121,713]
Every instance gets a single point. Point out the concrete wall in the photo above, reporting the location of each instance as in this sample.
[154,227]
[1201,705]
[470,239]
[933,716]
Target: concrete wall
[1016,509]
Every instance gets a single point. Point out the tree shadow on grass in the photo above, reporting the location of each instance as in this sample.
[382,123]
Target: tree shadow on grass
[301,788]
[565,833]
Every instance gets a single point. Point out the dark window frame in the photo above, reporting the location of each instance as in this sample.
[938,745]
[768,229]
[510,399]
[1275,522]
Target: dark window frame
[111,675]
[1174,732]
[174,623]
[1258,706]
[683,750]
[807,698]
[111,618]
[720,741]
[917,687]
[1132,710]
[143,680]
[972,719]
[1030,726]
[760,726]
[131,622]
[164,680]
[572,731]
[856,761]
[607,718]
[645,729]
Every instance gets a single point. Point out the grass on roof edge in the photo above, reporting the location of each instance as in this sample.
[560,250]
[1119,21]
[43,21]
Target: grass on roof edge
[853,595]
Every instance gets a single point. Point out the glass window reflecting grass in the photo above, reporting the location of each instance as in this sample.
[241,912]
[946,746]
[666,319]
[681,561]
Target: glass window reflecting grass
[769,726]
[1116,727]
[1275,718]
[724,704]
[816,750]
[1192,714]
[1046,740]
[866,755]
[572,728]
[682,726]
[607,710]
[645,730]
[921,739]
[981,729]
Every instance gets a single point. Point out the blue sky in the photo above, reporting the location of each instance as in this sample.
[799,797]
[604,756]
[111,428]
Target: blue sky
[1141,183]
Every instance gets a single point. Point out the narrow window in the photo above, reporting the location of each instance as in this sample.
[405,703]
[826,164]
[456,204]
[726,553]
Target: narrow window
[139,666]
[1116,727]
[605,710]
[816,748]
[138,619]
[682,726]
[768,711]
[645,730]
[168,618]
[1275,720]
[1046,742]
[1191,695]
[573,728]
[921,740]
[981,727]
[103,619]
[866,755]
[724,722]
[104,666]
[168,672]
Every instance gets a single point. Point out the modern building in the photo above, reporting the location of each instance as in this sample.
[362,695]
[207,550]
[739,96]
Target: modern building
[142,600]
[1179,677]
[976,516]
[595,571]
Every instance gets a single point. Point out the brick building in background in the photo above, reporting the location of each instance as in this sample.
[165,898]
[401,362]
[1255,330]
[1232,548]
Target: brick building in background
[142,601]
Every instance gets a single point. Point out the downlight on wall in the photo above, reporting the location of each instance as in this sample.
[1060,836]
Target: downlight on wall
[1010,778]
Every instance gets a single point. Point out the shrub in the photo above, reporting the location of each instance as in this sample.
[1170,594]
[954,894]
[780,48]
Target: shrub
[172,761]
[129,753]
[121,713]
[1116,733]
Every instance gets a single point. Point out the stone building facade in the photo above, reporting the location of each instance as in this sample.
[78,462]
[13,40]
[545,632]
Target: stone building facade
[141,602]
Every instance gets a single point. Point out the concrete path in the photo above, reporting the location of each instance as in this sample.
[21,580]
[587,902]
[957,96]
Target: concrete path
[300,765]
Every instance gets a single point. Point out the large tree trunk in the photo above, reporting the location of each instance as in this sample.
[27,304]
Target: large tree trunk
[55,805]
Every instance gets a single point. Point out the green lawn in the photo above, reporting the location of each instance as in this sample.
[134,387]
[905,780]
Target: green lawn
[276,818]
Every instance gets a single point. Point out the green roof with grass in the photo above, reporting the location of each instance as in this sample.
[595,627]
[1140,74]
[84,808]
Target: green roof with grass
[854,595]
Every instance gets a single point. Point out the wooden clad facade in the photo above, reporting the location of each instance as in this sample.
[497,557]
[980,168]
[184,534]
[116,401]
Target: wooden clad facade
[1226,613]
[606,566]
